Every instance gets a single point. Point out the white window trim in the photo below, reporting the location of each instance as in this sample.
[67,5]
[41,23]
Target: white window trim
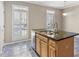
[20,7]
[49,11]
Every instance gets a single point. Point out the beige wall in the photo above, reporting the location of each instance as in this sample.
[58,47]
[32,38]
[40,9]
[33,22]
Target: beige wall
[7,22]
[71,20]
[37,17]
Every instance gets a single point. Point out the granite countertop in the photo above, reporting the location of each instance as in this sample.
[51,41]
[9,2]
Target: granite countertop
[60,35]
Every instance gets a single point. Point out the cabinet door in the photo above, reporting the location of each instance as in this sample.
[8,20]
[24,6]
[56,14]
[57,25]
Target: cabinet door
[38,45]
[51,51]
[43,49]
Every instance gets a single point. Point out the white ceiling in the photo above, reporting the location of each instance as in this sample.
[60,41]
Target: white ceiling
[56,4]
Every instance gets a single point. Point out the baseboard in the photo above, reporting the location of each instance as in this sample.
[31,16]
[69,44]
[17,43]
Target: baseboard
[12,42]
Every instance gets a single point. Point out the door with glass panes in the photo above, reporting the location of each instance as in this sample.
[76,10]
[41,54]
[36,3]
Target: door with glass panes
[50,19]
[19,24]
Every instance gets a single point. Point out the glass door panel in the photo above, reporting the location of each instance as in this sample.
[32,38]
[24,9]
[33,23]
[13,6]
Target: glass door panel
[23,25]
[19,26]
[50,21]
[16,25]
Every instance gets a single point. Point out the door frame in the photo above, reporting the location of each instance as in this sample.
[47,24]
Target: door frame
[26,9]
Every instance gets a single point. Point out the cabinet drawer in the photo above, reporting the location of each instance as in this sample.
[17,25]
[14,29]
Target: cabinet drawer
[52,43]
[38,36]
[44,39]
[41,37]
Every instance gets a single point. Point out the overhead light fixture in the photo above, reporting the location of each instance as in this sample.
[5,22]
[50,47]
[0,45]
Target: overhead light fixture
[64,14]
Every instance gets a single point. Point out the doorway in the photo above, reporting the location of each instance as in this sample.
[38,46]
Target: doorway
[19,22]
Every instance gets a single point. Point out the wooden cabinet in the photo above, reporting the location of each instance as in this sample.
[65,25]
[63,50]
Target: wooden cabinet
[62,48]
[41,45]
[65,47]
[52,48]
[38,45]
[52,51]
[43,49]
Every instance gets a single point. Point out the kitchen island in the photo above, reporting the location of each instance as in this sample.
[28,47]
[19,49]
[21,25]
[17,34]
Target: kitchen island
[54,44]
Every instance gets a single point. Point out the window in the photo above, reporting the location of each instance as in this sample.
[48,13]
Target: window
[50,19]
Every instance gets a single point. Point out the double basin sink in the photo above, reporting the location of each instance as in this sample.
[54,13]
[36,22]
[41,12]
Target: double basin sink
[48,32]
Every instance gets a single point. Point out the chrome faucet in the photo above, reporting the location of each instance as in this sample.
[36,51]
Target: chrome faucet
[55,27]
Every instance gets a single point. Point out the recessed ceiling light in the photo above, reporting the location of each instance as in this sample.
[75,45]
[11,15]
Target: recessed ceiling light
[64,14]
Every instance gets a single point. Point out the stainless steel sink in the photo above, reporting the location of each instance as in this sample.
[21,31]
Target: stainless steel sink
[49,32]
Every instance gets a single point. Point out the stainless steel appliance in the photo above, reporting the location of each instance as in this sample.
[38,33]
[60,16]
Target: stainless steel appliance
[33,39]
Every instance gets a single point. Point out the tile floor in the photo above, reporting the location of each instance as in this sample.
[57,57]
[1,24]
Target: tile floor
[76,47]
[23,49]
